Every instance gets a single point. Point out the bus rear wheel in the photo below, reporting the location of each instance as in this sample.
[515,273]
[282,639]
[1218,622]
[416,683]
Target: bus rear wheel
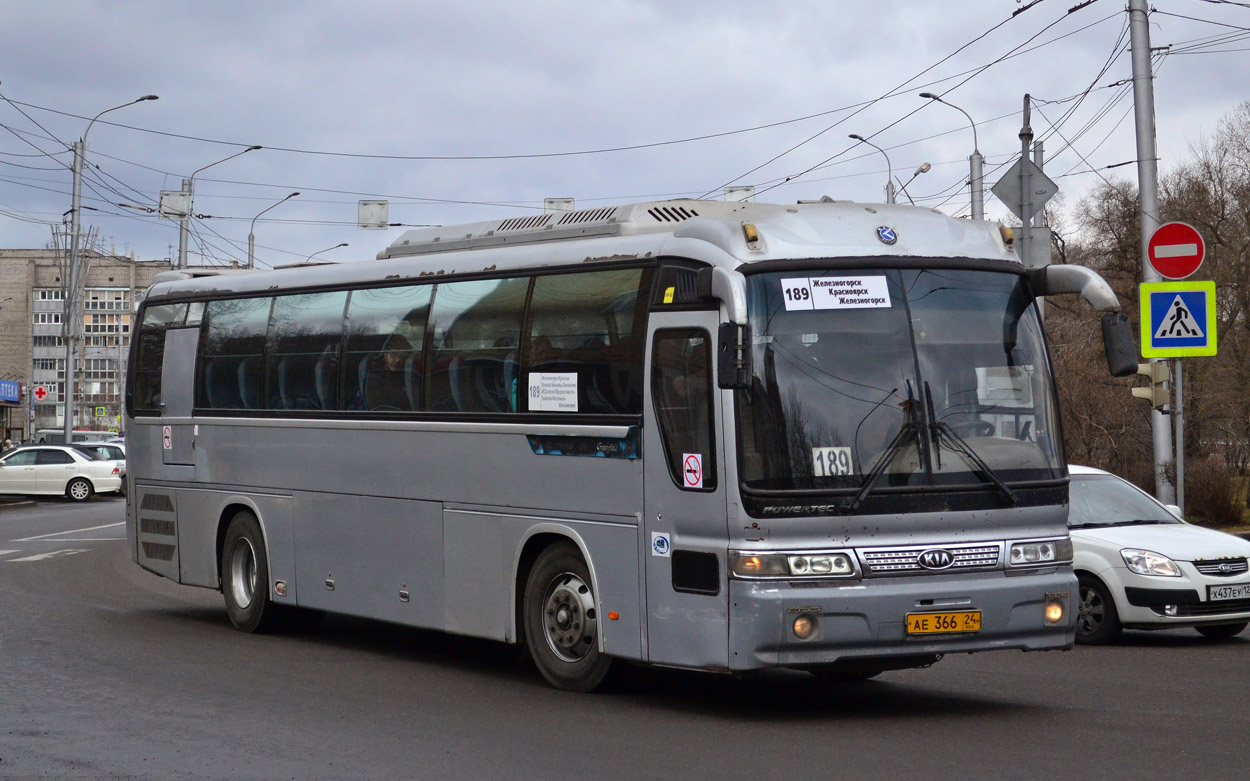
[245,575]
[562,621]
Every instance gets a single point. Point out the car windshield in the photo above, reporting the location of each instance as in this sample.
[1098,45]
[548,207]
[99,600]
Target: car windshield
[927,376]
[1106,500]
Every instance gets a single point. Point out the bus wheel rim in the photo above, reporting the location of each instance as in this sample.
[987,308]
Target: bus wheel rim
[569,620]
[243,573]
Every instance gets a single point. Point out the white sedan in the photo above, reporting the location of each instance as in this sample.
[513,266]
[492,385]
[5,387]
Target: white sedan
[56,470]
[1142,567]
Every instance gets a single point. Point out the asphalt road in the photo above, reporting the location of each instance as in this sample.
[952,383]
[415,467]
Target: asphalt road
[110,672]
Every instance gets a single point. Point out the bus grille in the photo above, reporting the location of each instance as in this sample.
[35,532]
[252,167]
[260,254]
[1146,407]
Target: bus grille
[895,561]
[1222,568]
[158,551]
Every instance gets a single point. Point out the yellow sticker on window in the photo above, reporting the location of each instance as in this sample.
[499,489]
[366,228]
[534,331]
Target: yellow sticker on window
[669,293]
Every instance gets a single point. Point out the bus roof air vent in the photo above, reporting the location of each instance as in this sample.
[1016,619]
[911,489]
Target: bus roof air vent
[588,215]
[524,223]
[672,213]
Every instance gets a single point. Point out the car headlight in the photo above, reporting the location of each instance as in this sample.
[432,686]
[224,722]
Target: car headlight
[1040,552]
[1145,562]
[784,565]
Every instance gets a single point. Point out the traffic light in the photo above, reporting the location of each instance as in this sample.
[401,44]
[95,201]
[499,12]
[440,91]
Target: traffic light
[1156,394]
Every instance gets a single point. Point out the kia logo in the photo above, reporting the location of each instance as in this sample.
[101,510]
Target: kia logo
[1226,568]
[936,558]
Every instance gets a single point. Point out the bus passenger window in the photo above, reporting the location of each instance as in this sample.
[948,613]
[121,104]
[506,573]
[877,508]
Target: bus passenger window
[302,353]
[475,328]
[382,368]
[591,325]
[230,374]
[681,385]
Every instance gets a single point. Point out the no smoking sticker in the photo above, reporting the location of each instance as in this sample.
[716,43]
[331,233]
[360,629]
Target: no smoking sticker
[692,470]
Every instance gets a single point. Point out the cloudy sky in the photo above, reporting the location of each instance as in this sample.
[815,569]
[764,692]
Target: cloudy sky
[470,110]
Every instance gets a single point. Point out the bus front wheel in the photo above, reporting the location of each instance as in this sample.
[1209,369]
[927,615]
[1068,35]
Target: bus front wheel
[562,621]
[245,575]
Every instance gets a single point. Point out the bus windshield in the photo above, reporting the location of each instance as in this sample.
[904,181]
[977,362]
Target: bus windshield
[905,377]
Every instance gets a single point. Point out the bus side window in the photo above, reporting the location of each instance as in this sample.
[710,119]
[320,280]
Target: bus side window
[591,324]
[383,356]
[230,374]
[150,359]
[681,386]
[301,363]
[475,326]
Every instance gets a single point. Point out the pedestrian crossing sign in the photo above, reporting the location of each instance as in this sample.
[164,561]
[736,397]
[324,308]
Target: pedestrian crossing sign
[1177,319]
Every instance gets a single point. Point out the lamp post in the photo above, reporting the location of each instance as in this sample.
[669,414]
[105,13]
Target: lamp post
[327,249]
[251,232]
[188,187]
[923,169]
[889,182]
[975,161]
[71,290]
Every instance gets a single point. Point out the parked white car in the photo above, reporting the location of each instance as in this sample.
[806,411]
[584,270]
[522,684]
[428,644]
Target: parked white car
[55,470]
[1142,567]
[109,451]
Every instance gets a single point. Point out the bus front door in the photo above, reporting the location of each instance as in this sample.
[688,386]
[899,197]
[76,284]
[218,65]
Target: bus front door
[684,527]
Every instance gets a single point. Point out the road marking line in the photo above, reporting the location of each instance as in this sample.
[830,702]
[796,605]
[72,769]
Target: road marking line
[71,531]
[51,555]
[7,552]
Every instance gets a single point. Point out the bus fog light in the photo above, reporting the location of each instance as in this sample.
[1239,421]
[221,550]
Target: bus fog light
[1056,608]
[804,626]
[1170,610]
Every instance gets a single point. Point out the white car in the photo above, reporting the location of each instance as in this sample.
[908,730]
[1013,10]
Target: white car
[1142,567]
[55,470]
[109,451]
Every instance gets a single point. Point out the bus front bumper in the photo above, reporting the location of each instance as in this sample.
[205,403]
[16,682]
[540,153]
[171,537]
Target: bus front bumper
[865,623]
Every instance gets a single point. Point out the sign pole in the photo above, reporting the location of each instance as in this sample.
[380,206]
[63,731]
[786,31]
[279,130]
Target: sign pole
[1179,415]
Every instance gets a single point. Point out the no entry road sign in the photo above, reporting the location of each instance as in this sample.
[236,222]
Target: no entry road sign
[1176,250]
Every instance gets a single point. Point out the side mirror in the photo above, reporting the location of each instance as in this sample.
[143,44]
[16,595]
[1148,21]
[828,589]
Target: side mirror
[1117,341]
[733,356]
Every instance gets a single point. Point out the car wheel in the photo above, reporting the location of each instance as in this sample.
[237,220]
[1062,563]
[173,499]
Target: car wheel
[245,575]
[1097,623]
[1221,631]
[561,621]
[79,489]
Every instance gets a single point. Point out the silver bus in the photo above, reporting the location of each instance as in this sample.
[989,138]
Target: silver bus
[706,435]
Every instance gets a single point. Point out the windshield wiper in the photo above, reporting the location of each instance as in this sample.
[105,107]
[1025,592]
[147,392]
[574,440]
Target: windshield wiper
[1134,522]
[940,430]
[910,432]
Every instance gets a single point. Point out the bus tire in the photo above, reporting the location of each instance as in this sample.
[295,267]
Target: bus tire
[245,575]
[562,622]
[79,489]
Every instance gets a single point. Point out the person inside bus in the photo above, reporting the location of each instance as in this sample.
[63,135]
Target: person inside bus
[385,386]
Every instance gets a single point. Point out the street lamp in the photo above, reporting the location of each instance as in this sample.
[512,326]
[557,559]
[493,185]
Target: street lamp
[71,297]
[187,187]
[327,249]
[975,161]
[889,182]
[251,233]
[923,169]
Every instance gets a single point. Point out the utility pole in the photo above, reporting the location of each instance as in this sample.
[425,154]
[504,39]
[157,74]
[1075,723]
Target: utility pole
[1148,192]
[1026,186]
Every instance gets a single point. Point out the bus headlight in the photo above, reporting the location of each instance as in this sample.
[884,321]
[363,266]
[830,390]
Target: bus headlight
[1041,552]
[785,565]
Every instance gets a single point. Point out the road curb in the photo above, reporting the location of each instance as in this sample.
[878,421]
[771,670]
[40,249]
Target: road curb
[4,505]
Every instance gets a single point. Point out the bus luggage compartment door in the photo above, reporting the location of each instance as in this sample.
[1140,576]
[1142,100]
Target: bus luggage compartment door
[178,395]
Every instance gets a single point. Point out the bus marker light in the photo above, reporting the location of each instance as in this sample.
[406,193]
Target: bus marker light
[614,615]
[279,587]
[750,233]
